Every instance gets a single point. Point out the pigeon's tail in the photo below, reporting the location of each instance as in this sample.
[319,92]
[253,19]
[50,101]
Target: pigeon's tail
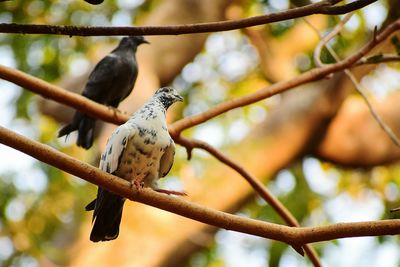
[107,216]
[85,126]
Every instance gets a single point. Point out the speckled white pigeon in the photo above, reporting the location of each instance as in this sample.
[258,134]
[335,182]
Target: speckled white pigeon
[140,151]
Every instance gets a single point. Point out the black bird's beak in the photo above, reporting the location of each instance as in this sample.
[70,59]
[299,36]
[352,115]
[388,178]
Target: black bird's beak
[145,41]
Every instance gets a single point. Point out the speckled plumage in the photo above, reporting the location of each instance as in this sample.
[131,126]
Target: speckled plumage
[111,81]
[140,151]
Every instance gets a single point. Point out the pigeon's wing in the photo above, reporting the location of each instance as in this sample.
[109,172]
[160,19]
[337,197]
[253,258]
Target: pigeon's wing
[103,77]
[167,159]
[116,145]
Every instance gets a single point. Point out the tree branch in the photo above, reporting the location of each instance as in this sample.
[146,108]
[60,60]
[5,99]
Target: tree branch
[374,114]
[290,235]
[253,181]
[255,184]
[312,75]
[380,58]
[324,42]
[322,7]
[53,92]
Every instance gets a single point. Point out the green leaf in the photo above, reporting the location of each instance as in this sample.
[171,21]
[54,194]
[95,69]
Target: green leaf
[396,43]
[375,58]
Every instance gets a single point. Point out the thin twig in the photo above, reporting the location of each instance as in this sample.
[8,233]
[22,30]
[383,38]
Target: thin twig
[324,40]
[322,7]
[376,116]
[180,206]
[395,209]
[357,85]
[380,58]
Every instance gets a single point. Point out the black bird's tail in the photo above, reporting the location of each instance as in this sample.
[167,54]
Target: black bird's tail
[107,215]
[85,126]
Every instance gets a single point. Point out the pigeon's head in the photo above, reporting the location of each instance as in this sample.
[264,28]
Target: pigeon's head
[168,96]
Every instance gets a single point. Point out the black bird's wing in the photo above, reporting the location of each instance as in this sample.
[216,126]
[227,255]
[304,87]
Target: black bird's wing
[111,80]
[102,77]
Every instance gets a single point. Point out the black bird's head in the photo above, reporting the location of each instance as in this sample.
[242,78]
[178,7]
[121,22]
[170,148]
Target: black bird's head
[168,96]
[134,40]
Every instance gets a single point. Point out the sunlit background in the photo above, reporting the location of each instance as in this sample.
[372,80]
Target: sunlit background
[42,208]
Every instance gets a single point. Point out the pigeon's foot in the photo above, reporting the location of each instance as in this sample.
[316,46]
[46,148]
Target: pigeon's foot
[170,192]
[138,184]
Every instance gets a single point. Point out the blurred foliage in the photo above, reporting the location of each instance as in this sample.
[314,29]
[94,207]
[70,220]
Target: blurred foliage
[38,223]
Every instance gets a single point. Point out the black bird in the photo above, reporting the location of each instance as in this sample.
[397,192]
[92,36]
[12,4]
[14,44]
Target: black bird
[94,2]
[110,82]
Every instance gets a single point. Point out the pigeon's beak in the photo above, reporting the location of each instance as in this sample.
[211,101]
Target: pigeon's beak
[178,98]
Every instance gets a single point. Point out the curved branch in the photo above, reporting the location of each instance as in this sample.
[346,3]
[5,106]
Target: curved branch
[290,235]
[379,58]
[324,40]
[53,92]
[253,181]
[339,10]
[322,7]
[255,184]
[312,75]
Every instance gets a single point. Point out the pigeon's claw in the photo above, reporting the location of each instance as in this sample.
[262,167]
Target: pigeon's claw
[170,192]
[138,184]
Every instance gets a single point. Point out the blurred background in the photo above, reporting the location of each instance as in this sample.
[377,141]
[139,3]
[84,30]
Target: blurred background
[317,148]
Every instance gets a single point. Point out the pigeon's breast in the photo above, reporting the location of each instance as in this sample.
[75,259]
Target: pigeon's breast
[142,155]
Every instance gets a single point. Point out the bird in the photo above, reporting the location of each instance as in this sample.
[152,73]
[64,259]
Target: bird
[94,2]
[110,82]
[140,151]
